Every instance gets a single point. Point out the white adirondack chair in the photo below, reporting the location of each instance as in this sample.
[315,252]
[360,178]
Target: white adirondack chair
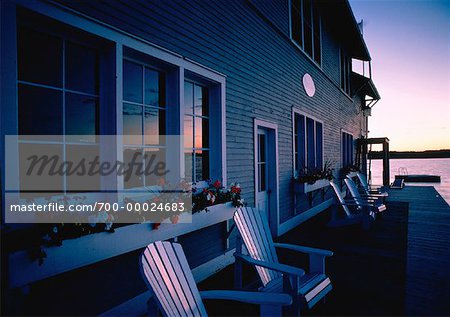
[167,273]
[306,289]
[353,213]
[373,202]
[367,189]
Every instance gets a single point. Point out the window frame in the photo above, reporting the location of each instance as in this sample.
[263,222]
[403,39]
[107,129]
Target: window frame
[306,116]
[301,46]
[345,73]
[111,124]
[343,155]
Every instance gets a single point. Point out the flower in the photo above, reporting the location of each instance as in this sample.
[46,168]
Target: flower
[217,184]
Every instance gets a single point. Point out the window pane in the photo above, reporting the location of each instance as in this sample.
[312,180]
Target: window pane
[201,165]
[39,58]
[155,166]
[135,177]
[319,142]
[201,106]
[262,177]
[262,148]
[81,117]
[75,182]
[188,98]
[154,125]
[81,69]
[311,157]
[46,180]
[296,21]
[201,133]
[132,124]
[152,88]
[300,144]
[188,132]
[316,26]
[40,111]
[132,82]
[188,166]
[307,26]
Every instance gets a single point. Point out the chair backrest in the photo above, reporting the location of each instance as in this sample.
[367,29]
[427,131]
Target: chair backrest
[354,191]
[255,233]
[339,197]
[363,180]
[168,275]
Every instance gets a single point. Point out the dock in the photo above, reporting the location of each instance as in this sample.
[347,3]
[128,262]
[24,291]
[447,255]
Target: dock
[428,252]
[398,267]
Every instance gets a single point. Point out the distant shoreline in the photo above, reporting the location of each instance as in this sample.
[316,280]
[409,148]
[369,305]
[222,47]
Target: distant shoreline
[412,154]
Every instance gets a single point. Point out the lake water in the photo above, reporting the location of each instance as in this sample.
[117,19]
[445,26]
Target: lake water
[417,166]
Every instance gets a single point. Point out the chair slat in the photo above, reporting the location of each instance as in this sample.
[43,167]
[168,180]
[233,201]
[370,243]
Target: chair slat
[189,278]
[340,198]
[193,303]
[166,278]
[170,261]
[157,284]
[249,242]
[257,251]
[258,240]
[266,236]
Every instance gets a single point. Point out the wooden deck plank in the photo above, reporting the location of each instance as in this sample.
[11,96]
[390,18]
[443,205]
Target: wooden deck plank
[428,252]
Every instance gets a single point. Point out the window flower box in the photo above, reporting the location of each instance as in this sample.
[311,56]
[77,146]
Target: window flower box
[89,249]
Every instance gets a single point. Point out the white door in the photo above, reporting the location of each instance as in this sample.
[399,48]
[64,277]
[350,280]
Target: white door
[263,191]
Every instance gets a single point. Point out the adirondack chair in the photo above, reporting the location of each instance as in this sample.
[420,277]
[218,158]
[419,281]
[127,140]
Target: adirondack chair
[353,213]
[368,190]
[167,274]
[306,289]
[374,202]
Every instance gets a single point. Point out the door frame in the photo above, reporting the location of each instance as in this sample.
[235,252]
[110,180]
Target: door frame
[272,154]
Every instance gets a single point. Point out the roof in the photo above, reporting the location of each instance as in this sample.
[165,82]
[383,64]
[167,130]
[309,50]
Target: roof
[339,16]
[364,85]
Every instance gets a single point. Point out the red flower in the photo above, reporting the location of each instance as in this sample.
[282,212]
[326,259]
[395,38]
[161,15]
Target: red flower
[217,184]
[236,190]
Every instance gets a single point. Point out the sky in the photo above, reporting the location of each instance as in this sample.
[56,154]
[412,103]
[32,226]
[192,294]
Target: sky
[409,42]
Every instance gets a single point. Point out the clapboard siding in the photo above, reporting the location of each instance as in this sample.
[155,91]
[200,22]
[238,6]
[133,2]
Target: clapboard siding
[249,42]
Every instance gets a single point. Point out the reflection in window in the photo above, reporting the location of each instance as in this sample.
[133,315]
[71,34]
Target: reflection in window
[144,115]
[196,131]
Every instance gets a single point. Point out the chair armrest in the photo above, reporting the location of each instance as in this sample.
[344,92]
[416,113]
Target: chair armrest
[282,268]
[303,249]
[249,297]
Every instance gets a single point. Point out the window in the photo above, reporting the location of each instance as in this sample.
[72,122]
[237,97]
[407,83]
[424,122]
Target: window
[346,69]
[308,143]
[144,117]
[196,131]
[58,99]
[306,27]
[347,149]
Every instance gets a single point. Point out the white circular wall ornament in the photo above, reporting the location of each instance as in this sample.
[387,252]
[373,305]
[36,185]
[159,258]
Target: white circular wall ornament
[308,84]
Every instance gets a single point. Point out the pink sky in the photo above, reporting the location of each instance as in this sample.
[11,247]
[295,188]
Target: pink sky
[409,42]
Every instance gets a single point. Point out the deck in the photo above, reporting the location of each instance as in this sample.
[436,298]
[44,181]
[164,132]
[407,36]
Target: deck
[398,267]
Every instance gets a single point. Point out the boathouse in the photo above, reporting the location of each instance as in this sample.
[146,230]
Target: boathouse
[260,90]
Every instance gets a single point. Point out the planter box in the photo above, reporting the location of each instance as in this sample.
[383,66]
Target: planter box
[76,253]
[302,188]
[317,185]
